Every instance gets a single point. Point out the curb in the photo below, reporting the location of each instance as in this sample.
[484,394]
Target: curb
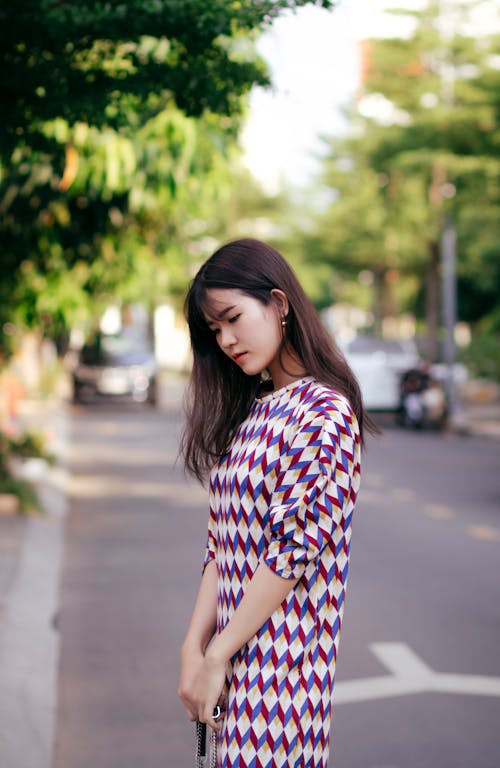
[29,640]
[479,421]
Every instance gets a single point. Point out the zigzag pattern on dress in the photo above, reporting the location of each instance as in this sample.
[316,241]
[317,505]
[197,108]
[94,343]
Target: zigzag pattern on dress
[284,495]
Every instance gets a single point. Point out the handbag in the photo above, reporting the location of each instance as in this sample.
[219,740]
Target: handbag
[201,742]
[201,747]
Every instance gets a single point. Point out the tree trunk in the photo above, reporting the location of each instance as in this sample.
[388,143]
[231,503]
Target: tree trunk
[377,306]
[432,303]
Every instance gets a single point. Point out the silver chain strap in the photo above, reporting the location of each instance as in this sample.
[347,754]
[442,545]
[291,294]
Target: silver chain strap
[201,744]
[213,749]
[201,747]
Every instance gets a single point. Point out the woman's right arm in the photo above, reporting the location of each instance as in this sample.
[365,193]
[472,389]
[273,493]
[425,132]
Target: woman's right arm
[201,630]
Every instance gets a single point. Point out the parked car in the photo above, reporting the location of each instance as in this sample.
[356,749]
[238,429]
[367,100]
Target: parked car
[379,364]
[116,366]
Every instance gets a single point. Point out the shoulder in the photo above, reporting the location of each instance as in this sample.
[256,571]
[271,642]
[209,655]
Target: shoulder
[321,402]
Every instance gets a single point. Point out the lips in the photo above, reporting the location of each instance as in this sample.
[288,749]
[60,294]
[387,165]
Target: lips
[238,356]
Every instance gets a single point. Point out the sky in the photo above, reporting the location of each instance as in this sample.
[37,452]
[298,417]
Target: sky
[314,60]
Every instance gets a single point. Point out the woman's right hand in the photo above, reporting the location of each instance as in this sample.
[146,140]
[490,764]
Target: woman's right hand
[191,662]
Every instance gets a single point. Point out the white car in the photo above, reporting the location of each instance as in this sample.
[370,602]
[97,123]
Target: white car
[378,364]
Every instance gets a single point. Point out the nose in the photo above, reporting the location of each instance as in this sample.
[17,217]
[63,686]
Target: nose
[226,337]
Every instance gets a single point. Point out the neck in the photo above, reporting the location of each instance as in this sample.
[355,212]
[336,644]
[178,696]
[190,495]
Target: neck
[286,369]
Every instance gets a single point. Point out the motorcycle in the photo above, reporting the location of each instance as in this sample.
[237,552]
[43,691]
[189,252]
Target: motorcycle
[422,400]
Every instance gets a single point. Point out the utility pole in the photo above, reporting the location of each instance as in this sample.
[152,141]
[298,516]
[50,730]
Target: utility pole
[449,306]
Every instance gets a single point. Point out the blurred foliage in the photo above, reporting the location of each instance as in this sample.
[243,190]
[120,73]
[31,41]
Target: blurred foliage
[28,445]
[423,144]
[26,494]
[482,356]
[120,162]
[123,222]
[114,64]
[24,446]
[117,145]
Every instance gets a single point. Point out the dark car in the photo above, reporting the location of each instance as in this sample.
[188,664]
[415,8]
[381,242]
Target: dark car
[116,366]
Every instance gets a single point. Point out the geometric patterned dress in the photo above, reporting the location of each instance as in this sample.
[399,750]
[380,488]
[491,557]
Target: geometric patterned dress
[284,494]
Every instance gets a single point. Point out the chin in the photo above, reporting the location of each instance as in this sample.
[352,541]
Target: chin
[251,370]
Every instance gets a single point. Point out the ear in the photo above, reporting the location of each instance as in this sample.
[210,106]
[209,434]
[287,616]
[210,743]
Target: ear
[280,301]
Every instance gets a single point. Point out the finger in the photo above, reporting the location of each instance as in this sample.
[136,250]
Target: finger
[190,710]
[213,717]
[215,725]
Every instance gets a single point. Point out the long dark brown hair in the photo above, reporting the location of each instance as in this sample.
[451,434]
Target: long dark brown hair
[220,394]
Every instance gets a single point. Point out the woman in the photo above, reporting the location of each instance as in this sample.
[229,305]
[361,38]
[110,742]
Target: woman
[275,415]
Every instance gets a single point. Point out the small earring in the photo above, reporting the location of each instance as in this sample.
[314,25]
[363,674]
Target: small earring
[283,322]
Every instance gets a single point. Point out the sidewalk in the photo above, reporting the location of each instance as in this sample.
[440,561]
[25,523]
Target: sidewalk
[480,420]
[31,551]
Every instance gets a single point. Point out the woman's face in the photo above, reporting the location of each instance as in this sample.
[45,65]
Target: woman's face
[247,331]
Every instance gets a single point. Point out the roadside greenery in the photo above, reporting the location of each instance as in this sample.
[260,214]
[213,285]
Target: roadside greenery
[117,144]
[121,164]
[25,445]
[422,147]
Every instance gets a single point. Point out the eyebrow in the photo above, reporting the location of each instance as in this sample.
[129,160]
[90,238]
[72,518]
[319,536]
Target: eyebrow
[221,314]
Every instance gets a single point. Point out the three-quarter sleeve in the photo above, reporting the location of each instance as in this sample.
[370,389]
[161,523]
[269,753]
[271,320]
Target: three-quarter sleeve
[312,485]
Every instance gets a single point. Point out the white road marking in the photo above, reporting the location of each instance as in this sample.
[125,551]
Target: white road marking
[438,511]
[484,532]
[373,480]
[410,675]
[403,494]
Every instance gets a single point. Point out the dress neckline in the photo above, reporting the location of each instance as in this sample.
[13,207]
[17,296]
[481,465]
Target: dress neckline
[279,392]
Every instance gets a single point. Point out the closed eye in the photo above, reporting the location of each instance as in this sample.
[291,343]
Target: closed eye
[230,320]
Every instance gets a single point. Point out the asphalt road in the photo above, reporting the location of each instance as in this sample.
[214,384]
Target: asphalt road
[418,680]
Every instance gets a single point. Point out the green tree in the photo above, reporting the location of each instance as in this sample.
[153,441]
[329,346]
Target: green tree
[424,144]
[114,114]
[108,63]
[125,223]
